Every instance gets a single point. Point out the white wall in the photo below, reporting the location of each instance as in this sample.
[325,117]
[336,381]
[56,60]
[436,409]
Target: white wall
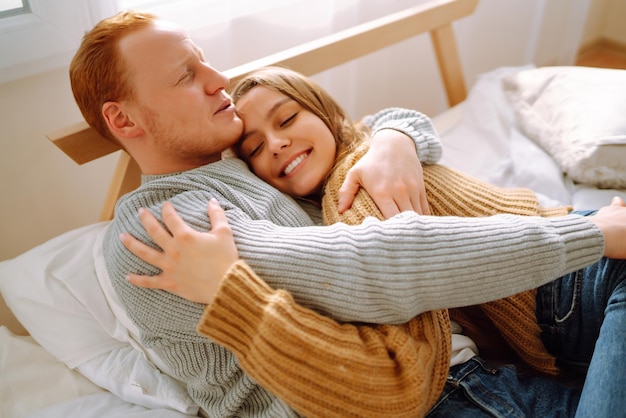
[44,193]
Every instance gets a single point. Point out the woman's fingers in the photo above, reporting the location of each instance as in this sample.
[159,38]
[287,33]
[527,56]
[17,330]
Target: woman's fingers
[148,282]
[217,216]
[172,219]
[192,263]
[141,250]
[153,227]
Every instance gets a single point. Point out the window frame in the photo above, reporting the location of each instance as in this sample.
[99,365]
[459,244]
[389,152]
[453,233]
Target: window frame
[16,11]
[46,37]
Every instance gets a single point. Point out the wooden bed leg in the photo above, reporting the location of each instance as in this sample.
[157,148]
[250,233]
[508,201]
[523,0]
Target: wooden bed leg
[127,177]
[447,53]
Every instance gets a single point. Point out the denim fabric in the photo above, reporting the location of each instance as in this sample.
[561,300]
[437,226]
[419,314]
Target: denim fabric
[474,390]
[583,320]
[582,316]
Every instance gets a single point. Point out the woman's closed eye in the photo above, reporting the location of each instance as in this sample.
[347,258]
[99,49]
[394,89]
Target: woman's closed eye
[256,150]
[288,120]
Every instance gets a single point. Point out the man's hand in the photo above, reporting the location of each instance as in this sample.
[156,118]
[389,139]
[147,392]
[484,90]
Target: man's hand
[192,263]
[612,221]
[391,174]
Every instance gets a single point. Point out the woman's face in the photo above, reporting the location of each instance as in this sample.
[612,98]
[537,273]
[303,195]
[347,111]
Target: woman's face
[285,145]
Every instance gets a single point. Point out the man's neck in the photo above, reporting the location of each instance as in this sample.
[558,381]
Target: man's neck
[164,166]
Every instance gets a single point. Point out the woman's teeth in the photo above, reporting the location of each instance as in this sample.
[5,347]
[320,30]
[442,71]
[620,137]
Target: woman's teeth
[292,165]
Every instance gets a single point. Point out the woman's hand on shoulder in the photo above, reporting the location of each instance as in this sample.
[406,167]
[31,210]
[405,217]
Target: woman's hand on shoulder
[192,263]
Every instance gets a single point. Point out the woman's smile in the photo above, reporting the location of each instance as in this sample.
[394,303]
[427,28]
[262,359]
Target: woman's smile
[295,163]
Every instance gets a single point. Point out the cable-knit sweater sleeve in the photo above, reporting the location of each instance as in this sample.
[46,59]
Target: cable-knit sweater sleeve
[412,123]
[322,368]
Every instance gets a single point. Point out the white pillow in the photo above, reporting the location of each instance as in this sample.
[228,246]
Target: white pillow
[55,293]
[577,115]
[499,153]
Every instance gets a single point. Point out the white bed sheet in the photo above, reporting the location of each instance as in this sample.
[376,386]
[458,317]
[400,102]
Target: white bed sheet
[34,384]
[31,378]
[480,137]
[103,405]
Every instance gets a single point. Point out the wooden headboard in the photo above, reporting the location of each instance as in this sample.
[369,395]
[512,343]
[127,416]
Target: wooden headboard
[83,144]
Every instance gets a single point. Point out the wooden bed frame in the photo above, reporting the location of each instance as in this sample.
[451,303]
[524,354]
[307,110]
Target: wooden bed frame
[83,144]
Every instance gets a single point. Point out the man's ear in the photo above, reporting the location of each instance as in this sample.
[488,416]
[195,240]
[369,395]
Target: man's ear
[119,122]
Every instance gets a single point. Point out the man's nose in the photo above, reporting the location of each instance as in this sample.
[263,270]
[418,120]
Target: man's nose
[215,81]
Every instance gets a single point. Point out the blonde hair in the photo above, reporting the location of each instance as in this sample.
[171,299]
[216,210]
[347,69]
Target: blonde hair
[97,72]
[312,97]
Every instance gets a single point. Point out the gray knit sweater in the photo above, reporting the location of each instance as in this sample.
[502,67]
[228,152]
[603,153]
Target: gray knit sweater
[380,272]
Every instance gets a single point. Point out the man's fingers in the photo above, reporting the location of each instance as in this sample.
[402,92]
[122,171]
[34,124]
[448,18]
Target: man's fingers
[347,191]
[402,201]
[618,201]
[421,206]
[387,207]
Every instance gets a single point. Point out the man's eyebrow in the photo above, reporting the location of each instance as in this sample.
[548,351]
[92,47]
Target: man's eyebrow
[190,55]
[179,64]
[269,114]
[200,52]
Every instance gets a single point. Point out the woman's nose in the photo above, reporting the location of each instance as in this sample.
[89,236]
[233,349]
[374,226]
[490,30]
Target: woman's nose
[278,144]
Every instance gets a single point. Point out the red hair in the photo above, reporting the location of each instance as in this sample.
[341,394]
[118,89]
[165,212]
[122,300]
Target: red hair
[97,72]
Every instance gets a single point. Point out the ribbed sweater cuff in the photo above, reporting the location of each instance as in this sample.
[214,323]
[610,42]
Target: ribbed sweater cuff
[579,239]
[244,290]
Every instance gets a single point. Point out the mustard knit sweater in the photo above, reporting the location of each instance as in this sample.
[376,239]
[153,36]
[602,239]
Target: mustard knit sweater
[407,364]
[496,326]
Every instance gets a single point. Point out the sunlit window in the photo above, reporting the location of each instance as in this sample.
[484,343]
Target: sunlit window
[142,4]
[43,35]
[192,14]
[13,7]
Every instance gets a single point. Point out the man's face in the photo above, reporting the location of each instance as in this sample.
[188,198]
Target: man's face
[179,100]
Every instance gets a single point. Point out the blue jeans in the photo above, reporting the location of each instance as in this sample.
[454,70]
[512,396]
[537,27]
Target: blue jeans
[583,320]
[476,390]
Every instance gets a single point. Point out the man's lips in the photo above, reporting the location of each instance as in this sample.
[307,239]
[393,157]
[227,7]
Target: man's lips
[225,105]
[294,163]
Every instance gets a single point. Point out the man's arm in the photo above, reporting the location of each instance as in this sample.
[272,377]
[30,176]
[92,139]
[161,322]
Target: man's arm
[388,272]
[390,171]
[413,124]
[380,272]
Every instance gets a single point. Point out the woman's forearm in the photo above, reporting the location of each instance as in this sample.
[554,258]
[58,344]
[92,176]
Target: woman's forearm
[323,368]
